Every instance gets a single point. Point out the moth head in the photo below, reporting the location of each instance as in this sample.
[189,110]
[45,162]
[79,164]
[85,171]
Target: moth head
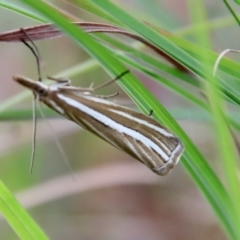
[39,89]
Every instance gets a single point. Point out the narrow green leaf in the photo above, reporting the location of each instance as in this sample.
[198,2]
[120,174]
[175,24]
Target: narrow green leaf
[92,8]
[152,36]
[23,225]
[20,10]
[192,160]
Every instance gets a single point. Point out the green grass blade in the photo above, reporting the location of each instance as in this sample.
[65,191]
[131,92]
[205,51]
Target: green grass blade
[23,225]
[152,36]
[162,42]
[226,145]
[192,160]
[17,9]
[92,8]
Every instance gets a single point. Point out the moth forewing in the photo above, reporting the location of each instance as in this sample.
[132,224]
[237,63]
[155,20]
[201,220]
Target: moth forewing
[135,133]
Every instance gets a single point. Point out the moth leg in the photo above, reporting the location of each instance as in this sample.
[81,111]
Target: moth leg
[91,89]
[85,91]
[36,53]
[150,113]
[111,81]
[67,81]
[108,96]
[75,89]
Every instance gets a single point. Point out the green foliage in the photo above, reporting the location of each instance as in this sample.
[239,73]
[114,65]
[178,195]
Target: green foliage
[199,60]
[17,217]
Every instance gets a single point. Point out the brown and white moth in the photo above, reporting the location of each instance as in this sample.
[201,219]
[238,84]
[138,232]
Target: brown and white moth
[135,133]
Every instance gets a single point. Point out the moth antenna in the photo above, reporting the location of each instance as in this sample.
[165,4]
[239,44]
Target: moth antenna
[111,81]
[58,144]
[34,134]
[37,55]
[221,55]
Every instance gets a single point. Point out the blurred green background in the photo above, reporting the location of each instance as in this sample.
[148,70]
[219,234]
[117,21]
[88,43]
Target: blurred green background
[113,196]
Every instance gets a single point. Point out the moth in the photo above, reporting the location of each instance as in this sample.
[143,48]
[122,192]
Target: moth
[135,133]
